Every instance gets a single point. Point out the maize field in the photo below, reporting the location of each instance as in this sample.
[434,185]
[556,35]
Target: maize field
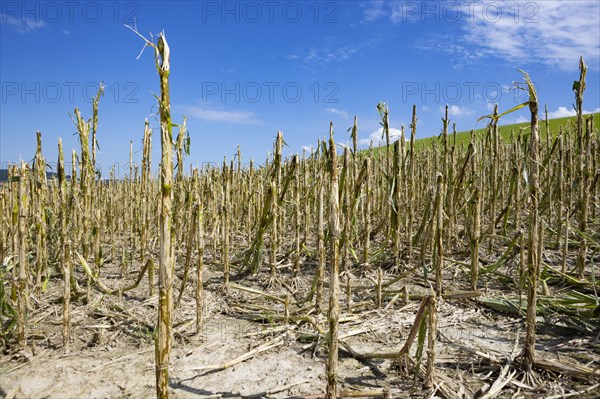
[455,270]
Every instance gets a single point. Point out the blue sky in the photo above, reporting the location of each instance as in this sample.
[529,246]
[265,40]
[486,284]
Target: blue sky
[240,71]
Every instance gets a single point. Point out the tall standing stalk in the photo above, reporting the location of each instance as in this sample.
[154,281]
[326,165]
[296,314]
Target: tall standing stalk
[14,207]
[275,210]
[559,192]
[73,200]
[493,129]
[383,110]
[145,192]
[225,219]
[23,276]
[249,219]
[411,176]
[66,332]
[438,250]
[130,209]
[346,218]
[367,213]
[321,252]
[445,122]
[475,239]
[395,202]
[334,306]
[200,267]
[94,172]
[39,205]
[83,129]
[95,123]
[190,242]
[297,221]
[579,88]
[533,262]
[182,144]
[438,263]
[167,252]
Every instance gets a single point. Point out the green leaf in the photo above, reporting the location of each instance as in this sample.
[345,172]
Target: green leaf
[85,265]
[354,254]
[497,117]
[186,144]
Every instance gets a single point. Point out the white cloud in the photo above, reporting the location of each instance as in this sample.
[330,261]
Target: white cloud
[336,111]
[563,112]
[22,25]
[376,138]
[214,115]
[455,110]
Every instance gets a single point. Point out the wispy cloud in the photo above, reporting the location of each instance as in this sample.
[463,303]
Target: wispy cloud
[376,139]
[373,10]
[556,33]
[219,115]
[336,111]
[552,32]
[455,110]
[331,51]
[21,25]
[395,11]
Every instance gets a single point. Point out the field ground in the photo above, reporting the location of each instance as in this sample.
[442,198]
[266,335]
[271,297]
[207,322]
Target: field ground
[499,228]
[112,352]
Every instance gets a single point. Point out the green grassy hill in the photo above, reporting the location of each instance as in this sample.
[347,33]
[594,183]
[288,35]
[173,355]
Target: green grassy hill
[505,131]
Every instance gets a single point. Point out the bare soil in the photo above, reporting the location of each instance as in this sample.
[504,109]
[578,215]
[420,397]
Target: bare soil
[111,354]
